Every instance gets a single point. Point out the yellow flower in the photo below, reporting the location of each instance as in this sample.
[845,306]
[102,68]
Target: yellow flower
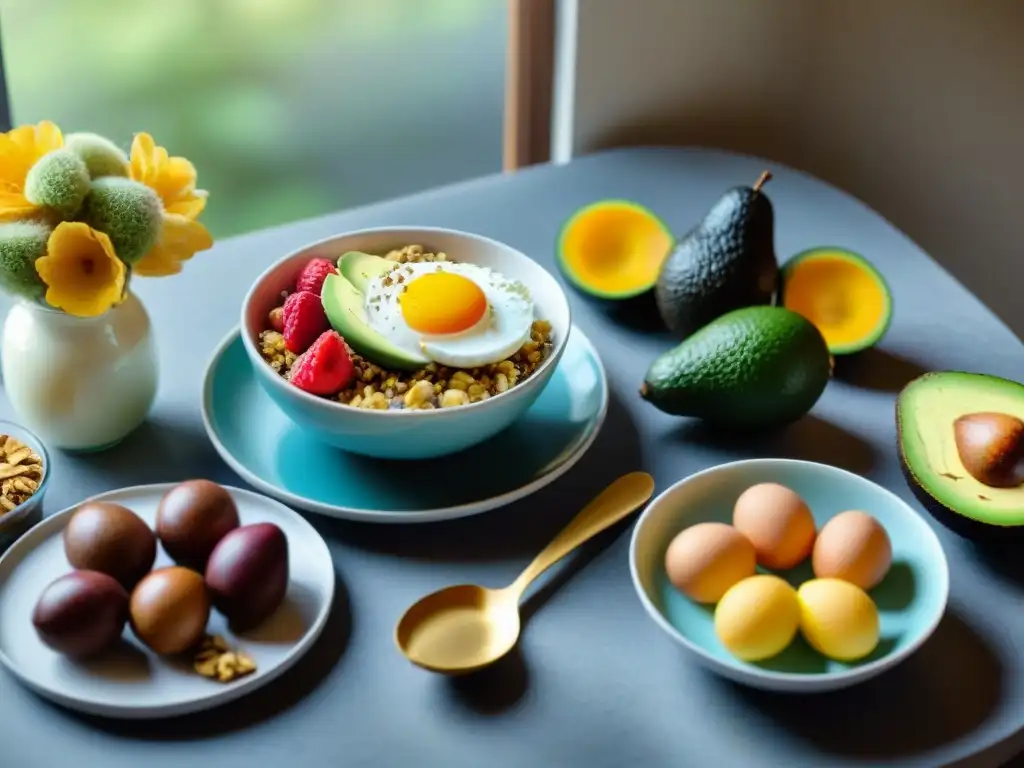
[172,178]
[179,241]
[20,148]
[174,181]
[82,273]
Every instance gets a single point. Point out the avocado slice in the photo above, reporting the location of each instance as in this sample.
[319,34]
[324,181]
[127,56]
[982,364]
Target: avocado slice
[724,263]
[361,268]
[346,312]
[613,249]
[753,368]
[961,445]
[842,293]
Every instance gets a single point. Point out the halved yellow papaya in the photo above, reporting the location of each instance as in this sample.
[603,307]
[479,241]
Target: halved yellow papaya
[842,293]
[613,249]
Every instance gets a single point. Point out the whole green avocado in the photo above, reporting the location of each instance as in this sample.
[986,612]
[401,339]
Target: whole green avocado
[724,263]
[750,369]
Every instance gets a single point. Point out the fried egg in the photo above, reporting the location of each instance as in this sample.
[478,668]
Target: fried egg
[454,314]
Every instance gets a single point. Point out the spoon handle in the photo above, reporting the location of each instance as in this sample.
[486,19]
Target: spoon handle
[609,507]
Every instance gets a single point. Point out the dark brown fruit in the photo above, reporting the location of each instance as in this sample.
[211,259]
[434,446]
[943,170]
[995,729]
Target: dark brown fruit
[169,609]
[81,614]
[111,539]
[248,574]
[192,518]
[991,448]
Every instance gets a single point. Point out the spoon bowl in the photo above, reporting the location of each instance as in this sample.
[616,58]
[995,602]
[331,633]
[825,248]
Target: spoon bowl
[466,627]
[460,628]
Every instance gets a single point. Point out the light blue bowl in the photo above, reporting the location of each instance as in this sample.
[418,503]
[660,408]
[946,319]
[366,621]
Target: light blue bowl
[400,434]
[911,599]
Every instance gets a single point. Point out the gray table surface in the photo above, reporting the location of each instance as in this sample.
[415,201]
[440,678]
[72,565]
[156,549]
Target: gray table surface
[594,683]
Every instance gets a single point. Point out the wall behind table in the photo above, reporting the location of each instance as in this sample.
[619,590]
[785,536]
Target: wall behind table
[915,107]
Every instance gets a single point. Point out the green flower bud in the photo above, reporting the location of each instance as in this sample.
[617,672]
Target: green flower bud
[59,180]
[101,156]
[21,243]
[129,213]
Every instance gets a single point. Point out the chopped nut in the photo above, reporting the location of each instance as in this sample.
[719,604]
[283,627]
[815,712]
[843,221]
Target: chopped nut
[21,470]
[379,401]
[454,397]
[276,319]
[419,394]
[215,660]
[217,643]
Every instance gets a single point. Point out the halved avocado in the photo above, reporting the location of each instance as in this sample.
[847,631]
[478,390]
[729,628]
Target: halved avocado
[842,293]
[613,249]
[360,268]
[346,312]
[961,446]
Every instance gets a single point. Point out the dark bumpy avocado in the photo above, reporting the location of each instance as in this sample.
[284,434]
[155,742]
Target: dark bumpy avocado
[753,368]
[724,263]
[961,446]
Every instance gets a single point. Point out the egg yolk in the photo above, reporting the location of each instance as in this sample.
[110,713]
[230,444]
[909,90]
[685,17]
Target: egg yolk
[441,302]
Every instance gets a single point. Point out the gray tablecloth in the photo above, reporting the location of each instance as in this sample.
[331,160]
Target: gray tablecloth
[595,683]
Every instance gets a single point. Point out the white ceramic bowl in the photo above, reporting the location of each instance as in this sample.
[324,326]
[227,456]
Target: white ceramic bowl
[16,522]
[911,599]
[401,434]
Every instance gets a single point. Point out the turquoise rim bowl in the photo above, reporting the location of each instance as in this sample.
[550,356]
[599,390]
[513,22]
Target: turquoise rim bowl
[911,599]
[401,434]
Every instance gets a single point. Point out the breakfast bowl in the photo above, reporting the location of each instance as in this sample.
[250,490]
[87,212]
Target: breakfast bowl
[417,342]
[905,599]
[26,496]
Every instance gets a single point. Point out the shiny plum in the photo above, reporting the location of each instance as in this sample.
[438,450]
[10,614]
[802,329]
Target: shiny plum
[105,537]
[81,614]
[192,517]
[169,609]
[247,574]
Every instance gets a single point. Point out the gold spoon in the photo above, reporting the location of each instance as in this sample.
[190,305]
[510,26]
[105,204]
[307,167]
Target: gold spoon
[466,627]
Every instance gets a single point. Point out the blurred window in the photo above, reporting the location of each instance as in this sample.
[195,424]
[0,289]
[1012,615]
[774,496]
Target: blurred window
[288,108]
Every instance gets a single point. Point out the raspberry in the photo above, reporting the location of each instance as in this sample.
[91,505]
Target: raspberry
[325,368]
[304,320]
[312,276]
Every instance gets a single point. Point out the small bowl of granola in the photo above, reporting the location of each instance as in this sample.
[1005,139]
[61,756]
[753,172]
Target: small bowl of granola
[405,342]
[24,472]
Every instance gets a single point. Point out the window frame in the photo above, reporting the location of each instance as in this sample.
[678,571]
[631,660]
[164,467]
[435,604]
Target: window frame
[529,83]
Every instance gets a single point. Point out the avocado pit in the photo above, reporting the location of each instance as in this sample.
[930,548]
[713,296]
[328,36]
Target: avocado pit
[991,448]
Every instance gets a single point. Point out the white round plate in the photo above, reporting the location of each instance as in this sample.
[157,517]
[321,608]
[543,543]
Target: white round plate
[132,682]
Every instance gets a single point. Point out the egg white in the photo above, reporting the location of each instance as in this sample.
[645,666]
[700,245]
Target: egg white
[504,328]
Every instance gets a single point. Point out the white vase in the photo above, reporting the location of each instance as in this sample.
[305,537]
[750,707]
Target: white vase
[80,383]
